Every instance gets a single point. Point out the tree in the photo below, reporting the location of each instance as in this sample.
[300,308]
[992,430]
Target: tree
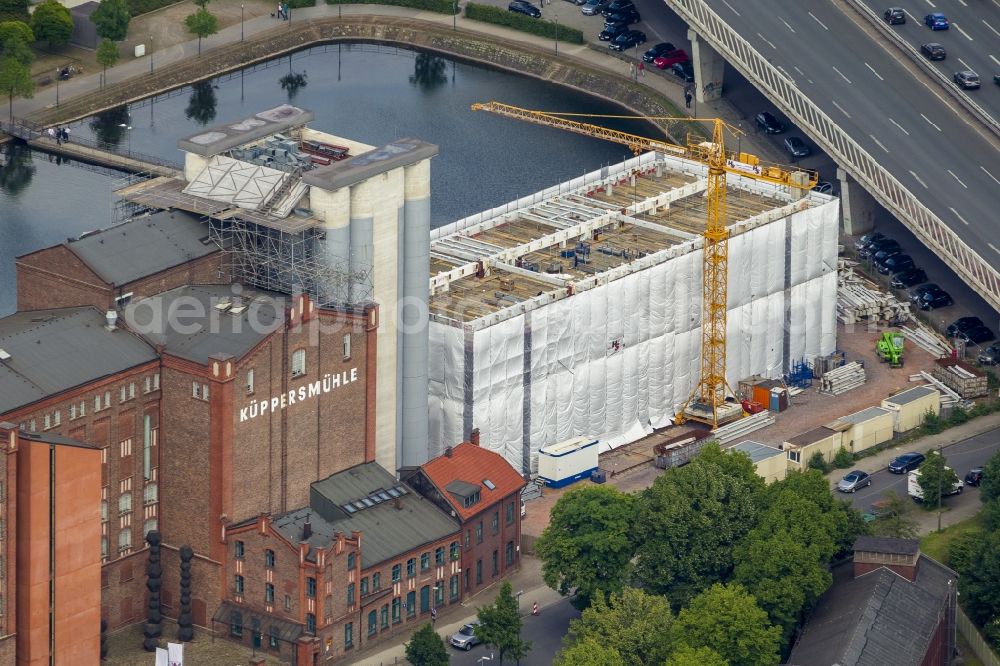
[111,19]
[107,56]
[500,626]
[936,480]
[426,648]
[14,10]
[894,517]
[588,652]
[635,625]
[202,23]
[15,42]
[989,488]
[690,518]
[685,655]
[587,545]
[15,80]
[979,576]
[728,620]
[51,21]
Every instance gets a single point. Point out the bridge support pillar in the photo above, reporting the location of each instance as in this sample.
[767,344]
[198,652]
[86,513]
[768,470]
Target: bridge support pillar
[709,68]
[857,207]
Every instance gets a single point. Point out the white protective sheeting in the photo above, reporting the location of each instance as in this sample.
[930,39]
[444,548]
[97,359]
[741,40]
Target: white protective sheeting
[618,359]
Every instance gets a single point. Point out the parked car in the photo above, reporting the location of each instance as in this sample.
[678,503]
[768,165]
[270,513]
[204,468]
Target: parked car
[670,58]
[465,638]
[967,80]
[937,298]
[656,51]
[854,480]
[594,7]
[990,355]
[524,7]
[961,325]
[996,79]
[768,123]
[683,71]
[823,187]
[868,238]
[936,21]
[616,6]
[933,51]
[875,245]
[630,15]
[914,490]
[888,251]
[895,16]
[918,293]
[906,462]
[612,31]
[628,40]
[974,476]
[796,147]
[908,278]
[976,335]
[896,264]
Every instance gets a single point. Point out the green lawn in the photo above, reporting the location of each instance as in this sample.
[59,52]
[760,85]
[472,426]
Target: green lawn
[936,544]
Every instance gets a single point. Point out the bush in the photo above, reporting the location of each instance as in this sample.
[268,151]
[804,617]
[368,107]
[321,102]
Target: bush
[843,459]
[932,423]
[543,28]
[136,7]
[439,6]
[958,416]
[819,462]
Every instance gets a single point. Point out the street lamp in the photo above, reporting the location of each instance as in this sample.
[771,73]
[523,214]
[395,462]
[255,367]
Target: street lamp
[555,19]
[57,86]
[454,14]
[485,658]
[241,20]
[150,54]
[128,131]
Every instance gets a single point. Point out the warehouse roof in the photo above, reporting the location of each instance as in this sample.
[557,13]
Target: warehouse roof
[143,246]
[46,352]
[910,395]
[756,450]
[221,138]
[811,437]
[466,467]
[864,415]
[366,498]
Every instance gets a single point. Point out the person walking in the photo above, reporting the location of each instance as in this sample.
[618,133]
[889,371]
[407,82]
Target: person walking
[66,135]
[687,98]
[51,132]
[642,68]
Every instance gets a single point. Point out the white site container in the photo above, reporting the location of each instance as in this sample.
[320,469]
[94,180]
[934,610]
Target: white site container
[565,462]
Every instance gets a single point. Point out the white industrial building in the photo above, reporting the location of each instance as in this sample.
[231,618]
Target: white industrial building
[575,312]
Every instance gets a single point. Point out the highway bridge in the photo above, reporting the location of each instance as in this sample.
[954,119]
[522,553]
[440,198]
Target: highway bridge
[894,126]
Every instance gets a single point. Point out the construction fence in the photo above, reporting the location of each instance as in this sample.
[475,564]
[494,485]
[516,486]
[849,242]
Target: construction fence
[979,645]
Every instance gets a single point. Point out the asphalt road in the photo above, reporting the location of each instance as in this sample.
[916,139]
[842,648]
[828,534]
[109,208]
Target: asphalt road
[961,457]
[544,631]
[900,118]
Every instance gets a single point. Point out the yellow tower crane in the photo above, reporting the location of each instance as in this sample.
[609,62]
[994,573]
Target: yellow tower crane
[707,404]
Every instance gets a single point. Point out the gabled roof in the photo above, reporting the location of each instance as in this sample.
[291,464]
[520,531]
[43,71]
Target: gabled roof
[143,246]
[51,351]
[879,619]
[472,466]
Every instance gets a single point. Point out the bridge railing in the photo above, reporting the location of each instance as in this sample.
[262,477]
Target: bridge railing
[932,231]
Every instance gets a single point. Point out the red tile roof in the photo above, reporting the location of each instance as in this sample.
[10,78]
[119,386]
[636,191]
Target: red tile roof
[473,464]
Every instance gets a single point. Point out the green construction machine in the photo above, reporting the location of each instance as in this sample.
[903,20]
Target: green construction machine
[890,348]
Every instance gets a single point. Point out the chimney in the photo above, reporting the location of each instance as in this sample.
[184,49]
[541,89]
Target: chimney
[398,503]
[474,437]
[901,556]
[307,530]
[449,452]
[111,319]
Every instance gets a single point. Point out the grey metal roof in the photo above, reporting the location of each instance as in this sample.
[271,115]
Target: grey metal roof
[873,544]
[389,528]
[756,450]
[814,435]
[864,415]
[353,170]
[909,395]
[143,246]
[53,438]
[55,350]
[462,489]
[879,619]
[218,139]
[188,323]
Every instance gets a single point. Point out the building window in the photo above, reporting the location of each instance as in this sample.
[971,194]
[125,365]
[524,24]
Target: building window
[425,562]
[238,587]
[272,638]
[125,503]
[453,588]
[510,513]
[268,593]
[298,362]
[350,594]
[372,622]
[269,558]
[72,412]
[425,598]
[311,587]
[104,548]
[131,390]
[97,403]
[479,532]
[385,616]
[236,625]
[479,572]
[121,394]
[439,593]
[496,562]
[156,382]
[310,623]
[364,586]
[147,384]
[795,456]
[104,509]
[288,602]
[239,550]
[468,538]
[348,635]
[396,604]
[148,440]
[411,567]
[376,582]
[195,390]
[148,526]
[509,556]
[347,346]
[439,555]
[47,421]
[350,561]
[396,573]
[250,380]
[495,524]
[124,541]
[471,500]
[125,447]
[204,391]
[454,550]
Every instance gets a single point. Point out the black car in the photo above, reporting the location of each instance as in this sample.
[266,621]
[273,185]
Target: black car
[879,257]
[918,293]
[630,15]
[612,31]
[967,80]
[976,335]
[524,7]
[908,278]
[933,51]
[684,71]
[937,298]
[974,477]
[896,264]
[906,462]
[990,355]
[877,246]
[796,147]
[895,16]
[869,238]
[652,54]
[617,6]
[628,40]
[961,325]
[767,122]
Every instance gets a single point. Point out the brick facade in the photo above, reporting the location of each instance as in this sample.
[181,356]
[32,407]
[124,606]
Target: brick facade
[498,552]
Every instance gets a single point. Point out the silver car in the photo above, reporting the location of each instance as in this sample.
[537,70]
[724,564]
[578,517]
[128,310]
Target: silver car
[854,480]
[594,7]
[465,638]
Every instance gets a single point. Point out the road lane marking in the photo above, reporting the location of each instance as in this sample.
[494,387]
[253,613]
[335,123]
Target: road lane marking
[787,75]
[931,4]
[994,247]
[878,142]
[874,72]
[899,126]
[964,3]
[956,27]
[841,74]
[958,179]
[912,17]
[786,24]
[731,7]
[818,21]
[770,43]
[929,120]
[799,70]
[964,64]
[841,109]
[991,28]
[920,181]
[993,58]
[990,175]
[956,214]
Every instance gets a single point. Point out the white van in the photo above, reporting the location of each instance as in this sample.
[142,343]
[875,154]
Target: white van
[914,490]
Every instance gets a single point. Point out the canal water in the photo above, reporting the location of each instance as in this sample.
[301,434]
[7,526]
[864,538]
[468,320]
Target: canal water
[373,94]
